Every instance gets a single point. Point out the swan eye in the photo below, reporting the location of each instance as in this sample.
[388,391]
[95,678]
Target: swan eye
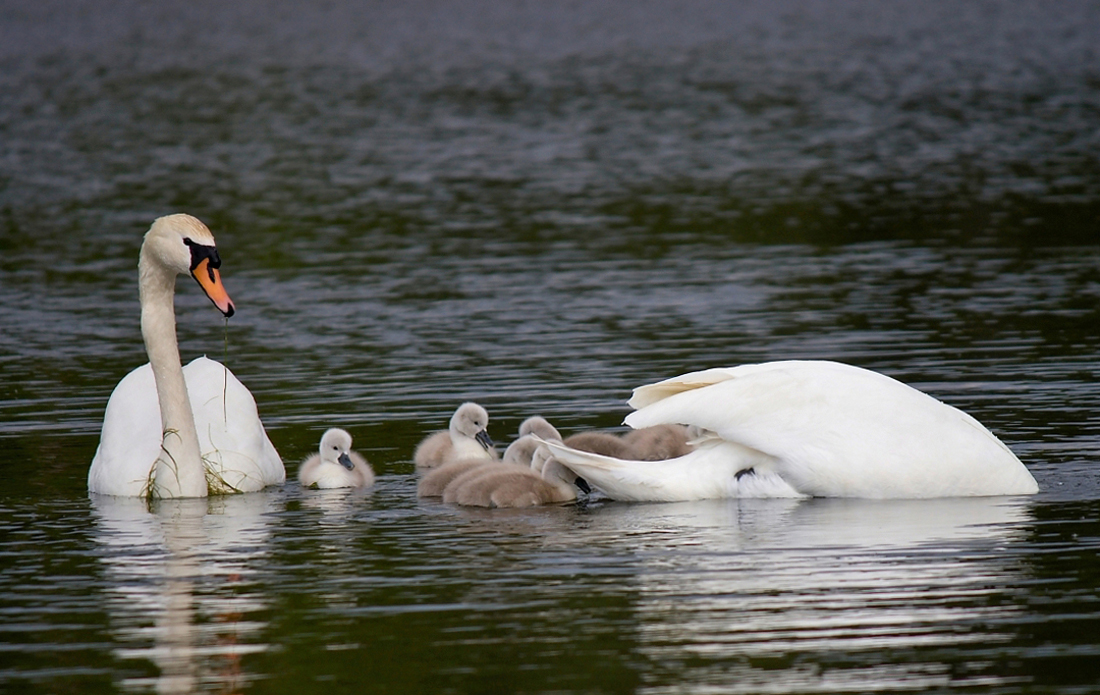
[201,252]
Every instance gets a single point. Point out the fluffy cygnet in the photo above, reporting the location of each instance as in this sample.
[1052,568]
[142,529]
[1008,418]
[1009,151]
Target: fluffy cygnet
[335,465]
[450,490]
[466,438]
[601,443]
[436,480]
[658,442]
[539,426]
[523,449]
[501,485]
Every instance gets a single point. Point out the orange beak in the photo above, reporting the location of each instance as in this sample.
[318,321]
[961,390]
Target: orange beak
[211,283]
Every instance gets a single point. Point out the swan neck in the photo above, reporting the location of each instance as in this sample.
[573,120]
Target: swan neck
[179,471]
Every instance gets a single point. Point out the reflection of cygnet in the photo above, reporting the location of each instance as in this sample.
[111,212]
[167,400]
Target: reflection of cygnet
[501,485]
[335,465]
[466,438]
[658,443]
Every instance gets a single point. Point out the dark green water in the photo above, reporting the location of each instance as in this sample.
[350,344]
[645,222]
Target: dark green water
[539,207]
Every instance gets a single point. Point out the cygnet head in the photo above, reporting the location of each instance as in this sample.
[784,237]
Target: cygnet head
[182,245]
[335,447]
[521,451]
[470,420]
[539,427]
[544,463]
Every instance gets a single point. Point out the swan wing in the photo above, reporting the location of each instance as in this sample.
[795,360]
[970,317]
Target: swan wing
[651,393]
[708,472]
[841,431]
[231,437]
[130,440]
[234,444]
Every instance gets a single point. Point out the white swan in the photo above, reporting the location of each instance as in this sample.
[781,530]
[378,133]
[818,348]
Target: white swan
[180,432]
[808,428]
[335,464]
[465,438]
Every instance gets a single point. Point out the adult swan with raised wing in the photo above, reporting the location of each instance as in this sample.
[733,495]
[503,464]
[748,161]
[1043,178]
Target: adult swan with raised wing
[805,428]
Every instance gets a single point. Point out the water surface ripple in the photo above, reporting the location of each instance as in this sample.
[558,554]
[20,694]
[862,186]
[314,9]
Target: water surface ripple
[540,206]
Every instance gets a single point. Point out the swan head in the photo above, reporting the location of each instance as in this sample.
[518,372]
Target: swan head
[336,447]
[539,426]
[184,246]
[470,420]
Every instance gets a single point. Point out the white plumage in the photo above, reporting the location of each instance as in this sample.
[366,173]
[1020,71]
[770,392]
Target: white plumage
[810,428]
[170,431]
[235,449]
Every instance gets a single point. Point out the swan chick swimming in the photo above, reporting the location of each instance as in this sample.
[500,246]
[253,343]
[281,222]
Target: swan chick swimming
[466,437]
[603,443]
[522,450]
[540,426]
[658,442]
[505,486]
[173,431]
[335,464]
[436,480]
[806,428]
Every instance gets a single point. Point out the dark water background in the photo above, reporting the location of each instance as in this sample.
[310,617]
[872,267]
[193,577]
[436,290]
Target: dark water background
[540,206]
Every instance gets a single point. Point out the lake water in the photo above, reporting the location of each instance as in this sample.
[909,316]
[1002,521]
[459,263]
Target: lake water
[540,206]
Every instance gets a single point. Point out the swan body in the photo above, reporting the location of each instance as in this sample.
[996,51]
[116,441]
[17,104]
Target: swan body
[335,464]
[236,450]
[810,428]
[466,437]
[170,431]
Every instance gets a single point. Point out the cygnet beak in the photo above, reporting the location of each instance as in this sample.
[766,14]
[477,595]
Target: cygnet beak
[583,485]
[345,461]
[482,438]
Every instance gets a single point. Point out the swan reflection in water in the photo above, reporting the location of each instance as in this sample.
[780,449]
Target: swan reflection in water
[178,581]
[725,590]
[800,595]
